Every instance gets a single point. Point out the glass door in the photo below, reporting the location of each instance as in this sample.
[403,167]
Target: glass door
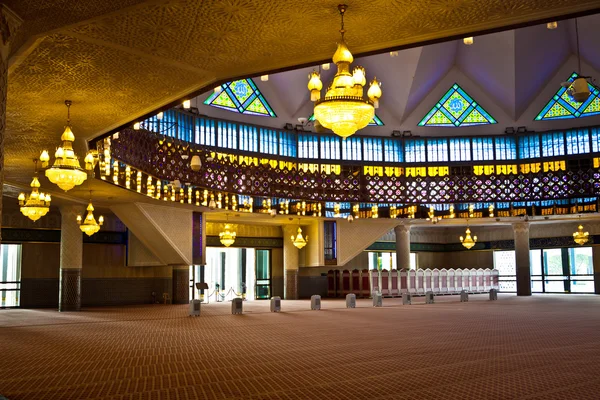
[263,274]
[555,278]
[10,275]
[581,270]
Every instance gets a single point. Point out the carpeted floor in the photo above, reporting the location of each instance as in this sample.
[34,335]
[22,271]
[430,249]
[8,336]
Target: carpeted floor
[543,347]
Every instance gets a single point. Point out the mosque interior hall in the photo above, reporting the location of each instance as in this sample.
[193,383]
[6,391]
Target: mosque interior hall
[249,199]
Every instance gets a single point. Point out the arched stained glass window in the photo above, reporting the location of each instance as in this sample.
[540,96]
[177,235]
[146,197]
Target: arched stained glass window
[561,106]
[376,121]
[456,108]
[241,96]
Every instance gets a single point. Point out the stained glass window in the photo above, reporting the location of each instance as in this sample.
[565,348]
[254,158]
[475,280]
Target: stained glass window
[330,147]
[457,108]
[268,141]
[460,149]
[483,148]
[529,146]
[414,150]
[241,96]
[506,148]
[308,145]
[248,138]
[376,121]
[561,106]
[372,149]
[553,144]
[578,141]
[437,150]
[393,150]
[351,149]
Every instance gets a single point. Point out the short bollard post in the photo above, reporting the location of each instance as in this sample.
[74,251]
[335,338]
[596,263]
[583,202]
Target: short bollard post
[236,305]
[493,294]
[351,300]
[464,296]
[315,302]
[429,299]
[276,304]
[406,299]
[377,299]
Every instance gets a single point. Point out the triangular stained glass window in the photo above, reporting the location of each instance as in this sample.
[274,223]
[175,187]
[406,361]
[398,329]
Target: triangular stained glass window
[241,96]
[561,106]
[376,121]
[456,108]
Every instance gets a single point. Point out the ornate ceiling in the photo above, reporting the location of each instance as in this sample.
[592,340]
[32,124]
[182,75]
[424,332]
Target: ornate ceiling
[118,59]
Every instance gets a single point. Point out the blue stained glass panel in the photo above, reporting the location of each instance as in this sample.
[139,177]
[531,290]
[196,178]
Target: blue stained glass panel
[553,144]
[393,150]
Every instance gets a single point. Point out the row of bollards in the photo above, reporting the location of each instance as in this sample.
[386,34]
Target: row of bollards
[315,301]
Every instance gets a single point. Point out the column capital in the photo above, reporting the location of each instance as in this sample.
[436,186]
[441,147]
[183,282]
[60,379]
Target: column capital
[402,228]
[521,227]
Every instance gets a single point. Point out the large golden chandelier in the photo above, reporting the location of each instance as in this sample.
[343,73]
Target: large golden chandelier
[299,241]
[34,205]
[66,171]
[344,109]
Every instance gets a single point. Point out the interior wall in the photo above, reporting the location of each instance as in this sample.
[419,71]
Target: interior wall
[105,278]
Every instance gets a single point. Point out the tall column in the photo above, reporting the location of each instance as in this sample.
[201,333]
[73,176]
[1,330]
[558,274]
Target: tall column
[521,231]
[9,24]
[402,246]
[290,263]
[596,262]
[71,255]
[181,284]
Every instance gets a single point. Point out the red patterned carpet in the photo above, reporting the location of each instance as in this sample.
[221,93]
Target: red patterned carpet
[543,347]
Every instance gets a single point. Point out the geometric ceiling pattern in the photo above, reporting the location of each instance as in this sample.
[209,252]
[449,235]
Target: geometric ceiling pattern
[562,106]
[456,108]
[241,96]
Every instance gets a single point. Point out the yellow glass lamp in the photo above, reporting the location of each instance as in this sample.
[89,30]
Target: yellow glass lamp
[344,109]
[227,237]
[299,241]
[580,237]
[468,241]
[88,225]
[35,204]
[66,171]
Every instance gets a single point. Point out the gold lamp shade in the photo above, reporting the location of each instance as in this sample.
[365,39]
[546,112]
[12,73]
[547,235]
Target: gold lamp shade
[468,241]
[344,109]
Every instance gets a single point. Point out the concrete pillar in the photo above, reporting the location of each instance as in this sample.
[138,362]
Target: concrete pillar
[521,232]
[71,256]
[402,246]
[596,261]
[290,263]
[181,284]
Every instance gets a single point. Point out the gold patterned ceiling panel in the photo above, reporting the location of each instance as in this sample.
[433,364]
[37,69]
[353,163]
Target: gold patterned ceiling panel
[217,35]
[117,59]
[106,86]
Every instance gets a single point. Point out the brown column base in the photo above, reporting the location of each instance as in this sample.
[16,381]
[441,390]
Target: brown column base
[70,290]
[290,281]
[523,283]
[181,286]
